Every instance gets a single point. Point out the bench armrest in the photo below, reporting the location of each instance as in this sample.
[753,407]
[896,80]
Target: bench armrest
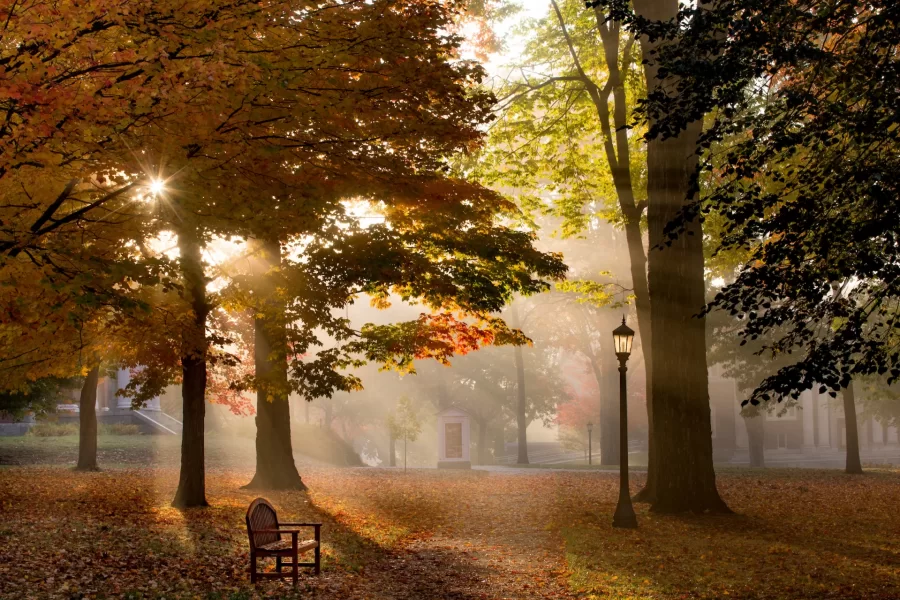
[291,531]
[299,524]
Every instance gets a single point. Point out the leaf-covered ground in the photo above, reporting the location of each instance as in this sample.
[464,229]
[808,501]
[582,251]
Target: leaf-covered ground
[430,534]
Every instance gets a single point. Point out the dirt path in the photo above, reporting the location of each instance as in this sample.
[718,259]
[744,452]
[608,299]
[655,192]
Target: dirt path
[472,536]
[457,569]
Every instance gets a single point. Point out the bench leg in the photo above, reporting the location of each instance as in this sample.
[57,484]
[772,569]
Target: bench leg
[295,570]
[252,567]
[278,564]
[318,551]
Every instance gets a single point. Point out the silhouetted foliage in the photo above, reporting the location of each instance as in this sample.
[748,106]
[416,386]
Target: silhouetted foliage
[801,160]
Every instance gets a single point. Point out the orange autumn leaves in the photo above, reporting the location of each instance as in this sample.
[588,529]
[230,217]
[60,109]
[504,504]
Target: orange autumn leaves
[437,336]
[799,534]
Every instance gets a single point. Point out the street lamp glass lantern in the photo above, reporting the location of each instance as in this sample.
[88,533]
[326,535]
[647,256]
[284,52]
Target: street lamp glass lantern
[623,336]
[590,427]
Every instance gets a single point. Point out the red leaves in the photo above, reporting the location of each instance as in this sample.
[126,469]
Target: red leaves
[437,336]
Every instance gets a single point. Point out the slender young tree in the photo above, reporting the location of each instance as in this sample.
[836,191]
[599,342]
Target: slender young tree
[405,424]
[581,97]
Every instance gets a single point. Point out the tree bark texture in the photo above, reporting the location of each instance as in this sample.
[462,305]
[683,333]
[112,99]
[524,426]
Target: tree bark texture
[854,464]
[192,478]
[683,478]
[275,468]
[87,422]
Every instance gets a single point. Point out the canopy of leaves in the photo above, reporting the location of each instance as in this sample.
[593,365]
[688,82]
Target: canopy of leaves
[802,165]
[555,142]
[405,422]
[255,137]
[38,398]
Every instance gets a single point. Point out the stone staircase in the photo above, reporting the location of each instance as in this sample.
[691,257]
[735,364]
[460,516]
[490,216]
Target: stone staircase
[159,421]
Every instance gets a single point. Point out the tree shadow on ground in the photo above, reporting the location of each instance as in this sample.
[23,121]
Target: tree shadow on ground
[795,538]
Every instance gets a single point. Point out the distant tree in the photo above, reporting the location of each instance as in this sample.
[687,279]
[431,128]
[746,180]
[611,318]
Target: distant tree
[577,411]
[881,400]
[534,379]
[405,423]
[38,397]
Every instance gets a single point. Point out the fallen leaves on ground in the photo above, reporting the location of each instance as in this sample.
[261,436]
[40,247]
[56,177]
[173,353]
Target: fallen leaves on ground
[446,534]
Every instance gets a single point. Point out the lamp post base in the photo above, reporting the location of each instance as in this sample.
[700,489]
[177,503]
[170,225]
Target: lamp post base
[625,517]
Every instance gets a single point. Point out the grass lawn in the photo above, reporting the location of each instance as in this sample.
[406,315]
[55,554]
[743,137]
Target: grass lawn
[431,534]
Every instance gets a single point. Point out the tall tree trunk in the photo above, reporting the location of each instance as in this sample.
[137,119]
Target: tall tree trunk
[87,422]
[607,382]
[392,449]
[684,478]
[275,468]
[618,156]
[192,478]
[756,439]
[521,398]
[645,331]
[854,465]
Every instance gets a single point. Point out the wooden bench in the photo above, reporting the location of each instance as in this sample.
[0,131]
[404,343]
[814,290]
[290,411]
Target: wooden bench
[265,533]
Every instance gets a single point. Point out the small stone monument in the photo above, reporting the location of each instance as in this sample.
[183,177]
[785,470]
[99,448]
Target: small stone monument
[453,439]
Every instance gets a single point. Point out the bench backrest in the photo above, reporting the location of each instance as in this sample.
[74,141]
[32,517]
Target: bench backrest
[261,515]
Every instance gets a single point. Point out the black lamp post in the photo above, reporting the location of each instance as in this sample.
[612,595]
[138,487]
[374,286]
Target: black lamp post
[623,336]
[590,452]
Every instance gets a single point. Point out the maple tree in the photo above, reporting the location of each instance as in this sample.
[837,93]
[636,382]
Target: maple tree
[253,140]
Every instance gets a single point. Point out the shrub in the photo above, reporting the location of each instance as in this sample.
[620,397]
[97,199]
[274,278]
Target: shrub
[53,429]
[118,429]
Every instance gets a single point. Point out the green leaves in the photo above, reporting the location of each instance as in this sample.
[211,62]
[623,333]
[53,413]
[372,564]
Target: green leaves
[800,176]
